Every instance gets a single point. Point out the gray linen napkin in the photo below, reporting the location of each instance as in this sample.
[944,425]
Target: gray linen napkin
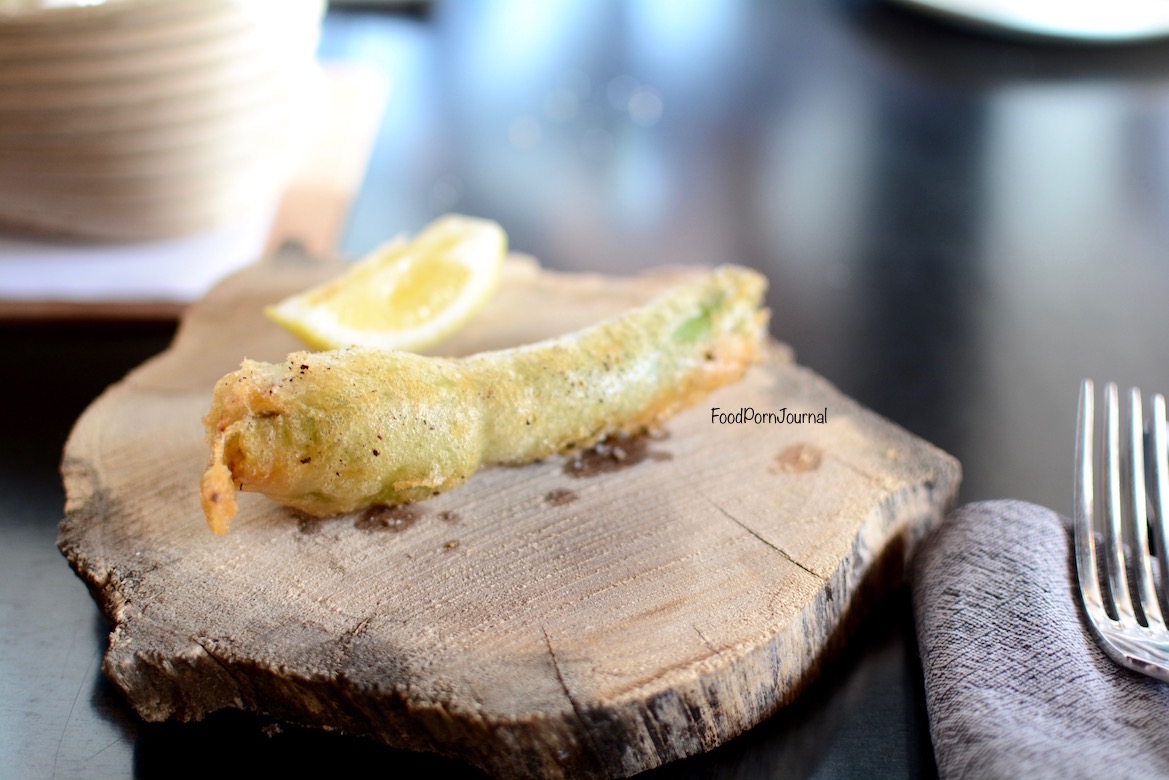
[1015,685]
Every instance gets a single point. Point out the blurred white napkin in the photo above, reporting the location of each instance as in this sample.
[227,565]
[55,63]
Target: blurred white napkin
[1015,685]
[177,270]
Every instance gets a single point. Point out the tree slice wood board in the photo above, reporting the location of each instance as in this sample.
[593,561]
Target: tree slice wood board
[590,616]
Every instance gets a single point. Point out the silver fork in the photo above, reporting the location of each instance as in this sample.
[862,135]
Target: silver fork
[1137,637]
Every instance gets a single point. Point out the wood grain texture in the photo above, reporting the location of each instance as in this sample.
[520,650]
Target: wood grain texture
[572,617]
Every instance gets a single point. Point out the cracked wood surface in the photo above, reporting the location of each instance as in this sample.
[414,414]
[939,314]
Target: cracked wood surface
[595,616]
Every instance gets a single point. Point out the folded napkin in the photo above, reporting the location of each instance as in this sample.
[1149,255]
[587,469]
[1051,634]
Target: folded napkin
[1015,684]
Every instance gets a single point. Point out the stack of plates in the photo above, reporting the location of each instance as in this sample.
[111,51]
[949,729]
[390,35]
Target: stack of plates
[141,119]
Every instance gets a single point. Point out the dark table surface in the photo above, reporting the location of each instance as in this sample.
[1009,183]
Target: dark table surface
[957,229]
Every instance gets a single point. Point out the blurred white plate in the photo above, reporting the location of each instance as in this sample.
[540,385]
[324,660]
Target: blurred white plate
[175,270]
[139,120]
[53,279]
[1085,21]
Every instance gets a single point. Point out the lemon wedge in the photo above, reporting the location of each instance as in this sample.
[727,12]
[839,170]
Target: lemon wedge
[404,295]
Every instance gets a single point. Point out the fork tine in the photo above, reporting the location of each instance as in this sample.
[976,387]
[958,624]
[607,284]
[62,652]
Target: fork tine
[1159,490]
[1124,640]
[1084,509]
[1135,458]
[1113,543]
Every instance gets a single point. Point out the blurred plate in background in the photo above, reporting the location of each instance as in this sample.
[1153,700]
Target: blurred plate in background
[1085,21]
[45,277]
[133,120]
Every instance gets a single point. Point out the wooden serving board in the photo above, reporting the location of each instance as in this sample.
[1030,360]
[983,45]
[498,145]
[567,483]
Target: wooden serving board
[596,616]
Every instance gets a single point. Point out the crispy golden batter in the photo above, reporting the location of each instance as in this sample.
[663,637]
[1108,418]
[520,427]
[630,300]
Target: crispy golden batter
[332,432]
